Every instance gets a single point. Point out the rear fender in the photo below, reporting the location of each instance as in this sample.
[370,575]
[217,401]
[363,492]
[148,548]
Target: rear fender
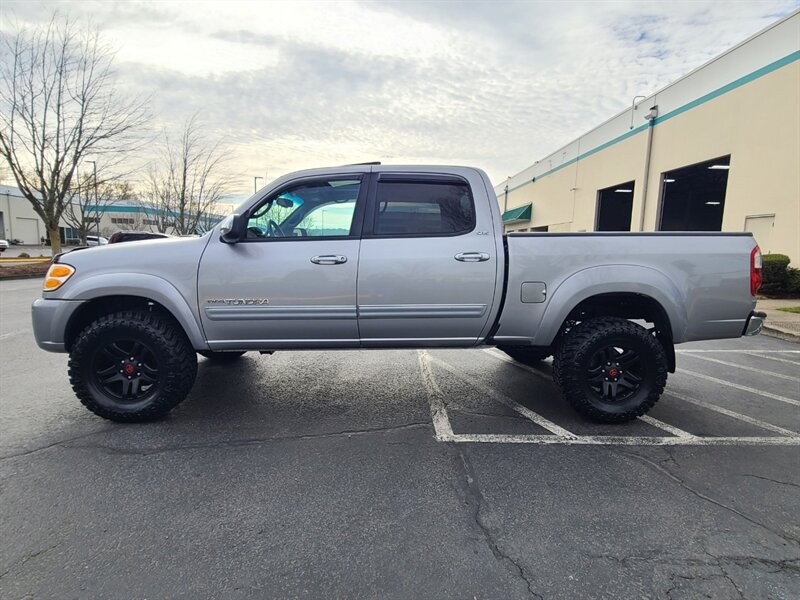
[608,279]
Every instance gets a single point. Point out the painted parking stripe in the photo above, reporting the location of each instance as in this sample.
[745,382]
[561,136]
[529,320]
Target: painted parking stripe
[649,420]
[744,388]
[595,440]
[757,351]
[746,368]
[503,399]
[666,427]
[441,422]
[783,360]
[732,414]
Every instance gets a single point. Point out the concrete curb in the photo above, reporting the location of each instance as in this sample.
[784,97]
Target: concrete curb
[781,334]
[13,277]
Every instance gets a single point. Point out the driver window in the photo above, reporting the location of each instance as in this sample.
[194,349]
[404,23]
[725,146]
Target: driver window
[313,209]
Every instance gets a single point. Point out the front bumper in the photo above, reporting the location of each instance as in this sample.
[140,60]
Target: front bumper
[755,322]
[50,318]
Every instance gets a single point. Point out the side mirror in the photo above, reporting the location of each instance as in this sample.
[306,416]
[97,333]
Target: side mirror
[231,230]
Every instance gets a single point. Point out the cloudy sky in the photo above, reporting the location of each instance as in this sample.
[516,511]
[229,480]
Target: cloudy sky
[498,85]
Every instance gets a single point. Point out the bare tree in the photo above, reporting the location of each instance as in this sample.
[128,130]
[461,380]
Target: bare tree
[58,105]
[87,204]
[187,189]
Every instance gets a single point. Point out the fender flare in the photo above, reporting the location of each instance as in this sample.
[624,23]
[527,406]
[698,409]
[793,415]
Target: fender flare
[610,279]
[143,286]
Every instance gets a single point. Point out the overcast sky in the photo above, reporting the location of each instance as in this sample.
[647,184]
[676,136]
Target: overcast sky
[498,85]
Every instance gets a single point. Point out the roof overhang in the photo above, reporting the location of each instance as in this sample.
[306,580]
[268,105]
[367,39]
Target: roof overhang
[520,213]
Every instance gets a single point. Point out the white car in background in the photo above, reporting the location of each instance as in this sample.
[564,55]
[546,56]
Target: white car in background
[96,240]
[3,245]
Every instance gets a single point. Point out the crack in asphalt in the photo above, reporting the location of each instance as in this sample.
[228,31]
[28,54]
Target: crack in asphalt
[476,501]
[772,480]
[248,441]
[663,470]
[28,557]
[215,444]
[54,444]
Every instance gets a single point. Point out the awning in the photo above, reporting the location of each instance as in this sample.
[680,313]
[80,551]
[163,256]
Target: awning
[521,213]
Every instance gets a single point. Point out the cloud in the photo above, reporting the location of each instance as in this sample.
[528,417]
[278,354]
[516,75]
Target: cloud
[491,84]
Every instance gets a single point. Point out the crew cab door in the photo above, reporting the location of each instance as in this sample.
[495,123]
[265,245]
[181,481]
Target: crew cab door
[428,263]
[292,281]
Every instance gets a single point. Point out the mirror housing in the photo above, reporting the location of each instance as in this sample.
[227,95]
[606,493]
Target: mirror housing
[232,229]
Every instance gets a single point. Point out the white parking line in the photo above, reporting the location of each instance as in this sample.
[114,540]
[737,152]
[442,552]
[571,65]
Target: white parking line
[444,430]
[667,427]
[746,368]
[745,388]
[441,422]
[734,415]
[783,360]
[602,440]
[698,351]
[503,399]
[649,420]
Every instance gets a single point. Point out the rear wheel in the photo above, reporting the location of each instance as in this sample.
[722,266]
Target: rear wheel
[221,357]
[132,366]
[610,369]
[526,355]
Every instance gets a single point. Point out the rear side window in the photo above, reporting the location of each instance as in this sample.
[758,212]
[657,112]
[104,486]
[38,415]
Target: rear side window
[423,209]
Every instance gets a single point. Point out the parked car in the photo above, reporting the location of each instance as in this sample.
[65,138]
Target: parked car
[3,245]
[96,240]
[370,256]
[132,236]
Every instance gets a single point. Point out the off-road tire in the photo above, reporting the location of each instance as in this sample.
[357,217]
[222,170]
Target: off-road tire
[221,357]
[526,356]
[177,364]
[579,345]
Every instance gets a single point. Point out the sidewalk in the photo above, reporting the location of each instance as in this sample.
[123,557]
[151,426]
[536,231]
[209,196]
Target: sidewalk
[780,324]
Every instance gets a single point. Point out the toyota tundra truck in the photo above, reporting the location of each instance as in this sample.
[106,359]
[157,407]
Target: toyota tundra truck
[376,256]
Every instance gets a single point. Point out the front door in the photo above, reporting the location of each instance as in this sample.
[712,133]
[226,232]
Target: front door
[428,262]
[292,281]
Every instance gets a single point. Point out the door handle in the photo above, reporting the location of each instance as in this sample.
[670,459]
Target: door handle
[472,256]
[329,259]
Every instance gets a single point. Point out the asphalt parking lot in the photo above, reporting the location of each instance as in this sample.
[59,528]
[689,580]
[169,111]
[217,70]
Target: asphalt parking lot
[401,474]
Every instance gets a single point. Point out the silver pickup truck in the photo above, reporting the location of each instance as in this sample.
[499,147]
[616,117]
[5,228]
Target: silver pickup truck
[371,256]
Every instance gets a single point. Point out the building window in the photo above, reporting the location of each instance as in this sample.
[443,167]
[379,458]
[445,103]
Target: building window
[149,222]
[614,207]
[122,221]
[693,198]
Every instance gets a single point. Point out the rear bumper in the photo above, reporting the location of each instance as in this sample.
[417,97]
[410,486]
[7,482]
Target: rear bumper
[50,318]
[754,323]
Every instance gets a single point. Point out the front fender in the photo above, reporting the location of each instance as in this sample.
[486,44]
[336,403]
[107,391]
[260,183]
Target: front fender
[610,279]
[144,286]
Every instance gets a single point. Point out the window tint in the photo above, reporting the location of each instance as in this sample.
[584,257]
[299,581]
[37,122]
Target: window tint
[311,209]
[417,208]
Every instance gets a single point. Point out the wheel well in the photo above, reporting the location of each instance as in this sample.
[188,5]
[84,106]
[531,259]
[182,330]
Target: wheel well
[627,306]
[97,307]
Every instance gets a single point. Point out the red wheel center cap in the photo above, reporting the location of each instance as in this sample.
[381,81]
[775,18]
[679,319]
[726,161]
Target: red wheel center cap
[612,372]
[129,369]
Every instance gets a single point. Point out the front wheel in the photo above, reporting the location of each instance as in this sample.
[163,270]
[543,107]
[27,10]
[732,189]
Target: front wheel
[132,366]
[610,369]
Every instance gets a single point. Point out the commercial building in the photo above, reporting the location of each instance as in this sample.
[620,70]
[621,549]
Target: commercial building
[717,150]
[19,221]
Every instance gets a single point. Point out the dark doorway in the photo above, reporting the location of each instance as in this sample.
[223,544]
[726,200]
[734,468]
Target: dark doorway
[614,206]
[693,198]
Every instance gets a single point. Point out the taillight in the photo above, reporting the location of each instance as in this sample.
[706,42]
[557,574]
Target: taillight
[755,271]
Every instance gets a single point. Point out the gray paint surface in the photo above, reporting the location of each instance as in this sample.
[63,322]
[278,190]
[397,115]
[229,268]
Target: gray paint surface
[407,292]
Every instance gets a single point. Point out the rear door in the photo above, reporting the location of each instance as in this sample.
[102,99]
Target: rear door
[428,262]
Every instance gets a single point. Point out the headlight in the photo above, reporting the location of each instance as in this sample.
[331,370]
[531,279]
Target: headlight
[57,276]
